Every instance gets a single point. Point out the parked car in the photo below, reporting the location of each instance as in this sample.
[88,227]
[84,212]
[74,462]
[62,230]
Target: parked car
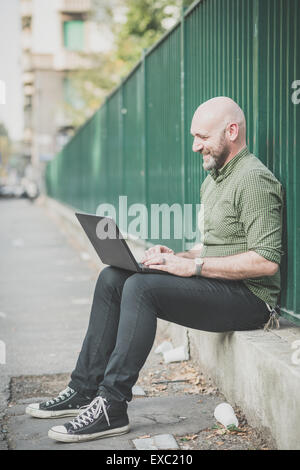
[12,190]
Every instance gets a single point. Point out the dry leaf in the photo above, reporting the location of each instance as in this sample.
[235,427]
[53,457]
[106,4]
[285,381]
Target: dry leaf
[190,438]
[161,387]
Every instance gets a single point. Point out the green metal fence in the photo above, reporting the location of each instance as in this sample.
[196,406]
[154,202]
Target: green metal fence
[138,143]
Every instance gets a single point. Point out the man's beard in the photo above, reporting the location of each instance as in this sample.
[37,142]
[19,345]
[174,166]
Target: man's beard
[217,160]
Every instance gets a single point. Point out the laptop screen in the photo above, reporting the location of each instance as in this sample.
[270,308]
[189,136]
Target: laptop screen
[108,241]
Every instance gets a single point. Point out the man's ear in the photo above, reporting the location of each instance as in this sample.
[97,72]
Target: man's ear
[233,131]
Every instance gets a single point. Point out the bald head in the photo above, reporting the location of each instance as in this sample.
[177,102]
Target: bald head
[219,112]
[219,128]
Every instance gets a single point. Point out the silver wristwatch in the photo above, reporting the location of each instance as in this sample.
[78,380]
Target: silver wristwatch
[198,263]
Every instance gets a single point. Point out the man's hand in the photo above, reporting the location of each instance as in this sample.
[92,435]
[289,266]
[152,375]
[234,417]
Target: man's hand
[156,250]
[172,264]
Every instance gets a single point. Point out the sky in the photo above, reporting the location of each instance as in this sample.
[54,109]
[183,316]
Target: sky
[11,113]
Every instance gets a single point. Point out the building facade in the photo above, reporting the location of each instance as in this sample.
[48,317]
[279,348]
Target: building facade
[54,34]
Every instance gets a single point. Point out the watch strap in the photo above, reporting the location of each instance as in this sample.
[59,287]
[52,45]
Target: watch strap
[199,263]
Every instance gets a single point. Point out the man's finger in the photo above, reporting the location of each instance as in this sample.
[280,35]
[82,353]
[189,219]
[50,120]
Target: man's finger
[148,253]
[154,260]
[161,259]
[161,267]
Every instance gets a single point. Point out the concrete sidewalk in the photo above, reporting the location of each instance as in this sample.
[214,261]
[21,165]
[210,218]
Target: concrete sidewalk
[45,292]
[47,284]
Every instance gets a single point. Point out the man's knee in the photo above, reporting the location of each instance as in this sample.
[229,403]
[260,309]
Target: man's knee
[111,277]
[138,284]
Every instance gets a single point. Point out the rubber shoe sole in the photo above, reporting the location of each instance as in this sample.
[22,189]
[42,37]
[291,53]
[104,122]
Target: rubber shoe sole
[34,410]
[59,433]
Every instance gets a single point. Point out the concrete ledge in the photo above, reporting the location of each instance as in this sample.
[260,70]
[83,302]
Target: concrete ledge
[253,369]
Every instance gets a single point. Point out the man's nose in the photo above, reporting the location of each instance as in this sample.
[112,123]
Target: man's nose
[197,145]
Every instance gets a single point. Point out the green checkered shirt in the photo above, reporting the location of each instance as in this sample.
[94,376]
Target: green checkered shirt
[241,211]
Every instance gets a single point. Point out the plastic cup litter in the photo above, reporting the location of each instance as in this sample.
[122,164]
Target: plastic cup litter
[225,414]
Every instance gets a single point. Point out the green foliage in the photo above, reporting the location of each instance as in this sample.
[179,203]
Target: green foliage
[146,22]
[216,426]
[234,428]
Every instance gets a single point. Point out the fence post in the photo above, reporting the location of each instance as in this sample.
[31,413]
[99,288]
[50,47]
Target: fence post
[182,106]
[122,141]
[144,130]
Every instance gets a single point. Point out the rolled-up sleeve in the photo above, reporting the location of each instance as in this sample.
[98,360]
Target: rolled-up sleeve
[259,202]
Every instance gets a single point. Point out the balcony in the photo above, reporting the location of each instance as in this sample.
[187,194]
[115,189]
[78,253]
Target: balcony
[27,135]
[26,8]
[28,90]
[74,6]
[32,62]
[70,60]
[42,61]
[27,64]
[26,40]
[27,78]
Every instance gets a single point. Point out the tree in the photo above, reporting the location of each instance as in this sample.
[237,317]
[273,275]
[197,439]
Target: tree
[146,22]
[136,25]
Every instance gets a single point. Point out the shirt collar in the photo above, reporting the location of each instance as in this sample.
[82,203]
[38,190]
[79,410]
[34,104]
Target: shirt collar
[219,175]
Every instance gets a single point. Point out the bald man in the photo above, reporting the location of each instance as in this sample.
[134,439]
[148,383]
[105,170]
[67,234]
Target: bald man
[229,282]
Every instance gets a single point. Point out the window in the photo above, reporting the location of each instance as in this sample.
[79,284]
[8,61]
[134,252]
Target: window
[74,35]
[71,95]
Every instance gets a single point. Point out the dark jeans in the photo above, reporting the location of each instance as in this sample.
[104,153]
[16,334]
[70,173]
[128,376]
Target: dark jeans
[124,316]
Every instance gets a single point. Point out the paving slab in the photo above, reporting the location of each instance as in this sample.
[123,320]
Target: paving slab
[161,441]
[138,391]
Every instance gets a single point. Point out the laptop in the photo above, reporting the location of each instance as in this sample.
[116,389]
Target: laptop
[109,243]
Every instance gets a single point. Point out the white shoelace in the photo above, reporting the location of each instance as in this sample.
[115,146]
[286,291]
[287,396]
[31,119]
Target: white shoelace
[90,414]
[65,393]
